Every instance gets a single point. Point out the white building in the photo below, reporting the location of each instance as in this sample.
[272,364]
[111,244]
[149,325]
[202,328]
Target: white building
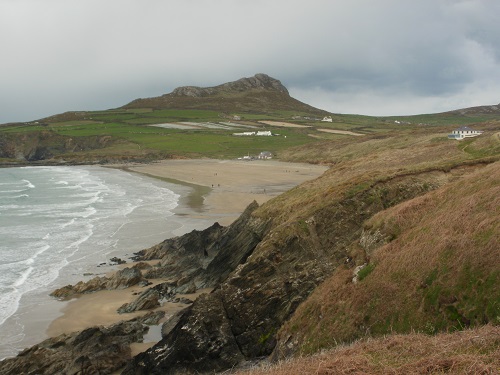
[266,133]
[265,155]
[327,119]
[464,132]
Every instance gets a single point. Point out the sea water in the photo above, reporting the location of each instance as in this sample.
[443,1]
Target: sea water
[58,224]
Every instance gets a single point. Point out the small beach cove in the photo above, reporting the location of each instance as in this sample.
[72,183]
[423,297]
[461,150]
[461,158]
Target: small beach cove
[225,188]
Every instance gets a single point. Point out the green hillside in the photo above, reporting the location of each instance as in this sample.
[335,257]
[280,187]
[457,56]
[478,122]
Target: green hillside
[200,122]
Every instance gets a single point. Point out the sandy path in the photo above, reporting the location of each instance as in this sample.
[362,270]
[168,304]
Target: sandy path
[343,132]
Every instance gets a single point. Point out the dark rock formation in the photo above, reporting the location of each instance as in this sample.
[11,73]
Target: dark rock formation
[96,350]
[124,278]
[120,280]
[148,299]
[117,260]
[201,259]
[206,342]
[35,146]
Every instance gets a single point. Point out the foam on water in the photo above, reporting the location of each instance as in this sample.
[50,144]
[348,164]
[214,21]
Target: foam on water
[65,223]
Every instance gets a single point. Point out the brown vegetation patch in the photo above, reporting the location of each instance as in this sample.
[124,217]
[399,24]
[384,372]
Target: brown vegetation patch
[438,271]
[475,351]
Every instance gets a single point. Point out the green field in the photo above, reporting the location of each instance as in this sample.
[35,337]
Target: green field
[128,131]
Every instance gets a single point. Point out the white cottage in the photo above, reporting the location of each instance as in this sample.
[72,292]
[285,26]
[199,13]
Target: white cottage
[464,132]
[265,155]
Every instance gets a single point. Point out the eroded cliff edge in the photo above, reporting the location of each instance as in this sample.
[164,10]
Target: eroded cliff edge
[239,320]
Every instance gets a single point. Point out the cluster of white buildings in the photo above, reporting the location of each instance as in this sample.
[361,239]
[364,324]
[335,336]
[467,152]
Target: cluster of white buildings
[264,133]
[464,132]
[264,155]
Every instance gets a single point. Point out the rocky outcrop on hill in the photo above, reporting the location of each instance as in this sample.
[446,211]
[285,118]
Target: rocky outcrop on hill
[259,93]
[196,260]
[96,350]
[258,82]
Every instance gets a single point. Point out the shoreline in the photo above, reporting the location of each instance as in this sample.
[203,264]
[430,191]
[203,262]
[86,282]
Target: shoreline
[224,188]
[210,191]
[194,199]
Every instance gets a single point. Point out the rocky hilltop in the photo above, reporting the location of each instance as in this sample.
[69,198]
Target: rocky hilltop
[480,110]
[258,82]
[259,94]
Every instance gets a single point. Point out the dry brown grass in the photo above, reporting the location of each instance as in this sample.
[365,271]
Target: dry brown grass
[474,351]
[440,272]
[362,161]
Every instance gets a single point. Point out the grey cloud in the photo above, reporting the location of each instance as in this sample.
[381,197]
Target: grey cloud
[59,55]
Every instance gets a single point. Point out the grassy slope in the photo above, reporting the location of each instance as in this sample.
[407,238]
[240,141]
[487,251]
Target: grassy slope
[432,260]
[474,351]
[439,271]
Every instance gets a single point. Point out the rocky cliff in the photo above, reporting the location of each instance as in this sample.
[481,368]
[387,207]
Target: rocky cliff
[36,146]
[239,320]
[380,242]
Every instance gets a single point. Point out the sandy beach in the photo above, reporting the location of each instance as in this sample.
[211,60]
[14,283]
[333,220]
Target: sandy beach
[219,191]
[230,185]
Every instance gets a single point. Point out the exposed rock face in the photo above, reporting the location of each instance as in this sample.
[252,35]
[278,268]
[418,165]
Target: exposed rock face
[120,280]
[206,342]
[259,81]
[201,259]
[96,350]
[124,278]
[45,144]
[184,255]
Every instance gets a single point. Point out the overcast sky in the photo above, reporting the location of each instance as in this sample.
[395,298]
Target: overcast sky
[372,57]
